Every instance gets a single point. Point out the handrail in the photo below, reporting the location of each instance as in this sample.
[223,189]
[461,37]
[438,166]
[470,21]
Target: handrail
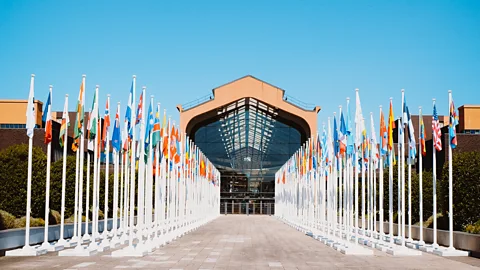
[299,103]
[197,102]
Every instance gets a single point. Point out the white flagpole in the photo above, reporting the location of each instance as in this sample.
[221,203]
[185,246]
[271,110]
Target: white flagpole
[420,171]
[27,248]
[93,245]
[62,241]
[107,166]
[380,180]
[450,182]
[157,182]
[45,244]
[86,236]
[115,185]
[434,170]
[363,187]
[80,177]
[132,172]
[403,177]
[141,174]
[399,178]
[120,210]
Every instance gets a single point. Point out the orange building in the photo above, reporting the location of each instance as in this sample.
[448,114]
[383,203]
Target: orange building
[13,113]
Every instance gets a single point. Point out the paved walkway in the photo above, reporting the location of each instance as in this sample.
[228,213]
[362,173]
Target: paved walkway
[242,242]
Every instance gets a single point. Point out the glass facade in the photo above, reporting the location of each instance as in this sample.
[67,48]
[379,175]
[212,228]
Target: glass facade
[248,143]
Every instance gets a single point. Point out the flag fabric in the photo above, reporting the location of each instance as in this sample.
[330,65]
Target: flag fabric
[336,143]
[349,133]
[106,123]
[92,123]
[391,126]
[128,114]
[342,134]
[78,130]
[148,127]
[411,138]
[116,143]
[423,148]
[139,110]
[47,118]
[359,122]
[65,123]
[373,139]
[156,128]
[30,113]
[437,133]
[384,134]
[451,127]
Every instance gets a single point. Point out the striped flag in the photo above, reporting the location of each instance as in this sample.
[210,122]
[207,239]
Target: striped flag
[47,118]
[116,143]
[78,130]
[423,148]
[437,134]
[451,128]
[65,123]
[106,123]
[156,128]
[384,134]
[139,110]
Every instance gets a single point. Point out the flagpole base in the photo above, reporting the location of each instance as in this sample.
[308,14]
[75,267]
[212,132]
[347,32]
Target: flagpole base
[130,251]
[450,252]
[26,251]
[403,251]
[77,252]
[352,249]
[53,247]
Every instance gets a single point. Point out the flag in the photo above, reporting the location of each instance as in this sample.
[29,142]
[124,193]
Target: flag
[411,138]
[65,123]
[106,123]
[324,145]
[384,134]
[391,126]
[359,121]
[78,130]
[349,133]
[336,143]
[437,133]
[92,122]
[342,134]
[451,127]
[148,127]
[128,114]
[139,110]
[423,148]
[47,118]
[30,113]
[373,146]
[156,128]
[116,143]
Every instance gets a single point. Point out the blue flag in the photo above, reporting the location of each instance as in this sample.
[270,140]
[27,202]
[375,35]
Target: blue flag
[45,111]
[116,140]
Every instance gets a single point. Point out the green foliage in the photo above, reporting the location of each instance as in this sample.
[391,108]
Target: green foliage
[34,222]
[13,180]
[473,228]
[466,189]
[7,220]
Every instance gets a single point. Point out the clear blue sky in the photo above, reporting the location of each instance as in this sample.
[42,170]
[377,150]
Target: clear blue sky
[318,51]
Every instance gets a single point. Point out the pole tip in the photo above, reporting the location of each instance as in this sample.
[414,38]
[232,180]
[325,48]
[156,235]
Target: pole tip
[97,86]
[403,90]
[449,91]
[51,86]
[144,87]
[391,98]
[356,89]
[348,98]
[380,106]
[134,76]
[371,113]
[434,99]
[118,103]
[83,76]
[108,95]
[66,95]
[420,107]
[340,106]
[158,103]
[151,96]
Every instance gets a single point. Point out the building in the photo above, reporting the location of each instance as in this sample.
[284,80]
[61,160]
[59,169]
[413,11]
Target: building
[248,129]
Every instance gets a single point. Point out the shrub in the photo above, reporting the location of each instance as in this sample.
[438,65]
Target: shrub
[473,228]
[466,189]
[34,222]
[7,220]
[13,180]
[54,218]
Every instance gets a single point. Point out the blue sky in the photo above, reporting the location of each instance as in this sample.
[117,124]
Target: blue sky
[318,51]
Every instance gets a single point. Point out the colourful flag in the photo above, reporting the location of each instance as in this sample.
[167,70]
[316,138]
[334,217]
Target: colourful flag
[391,126]
[65,123]
[128,114]
[148,127]
[78,130]
[156,128]
[437,133]
[139,110]
[451,127]
[423,148]
[116,143]
[47,118]
[384,134]
[92,123]
[342,135]
[373,147]
[106,123]
[30,113]
[412,153]
[361,132]
[336,143]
